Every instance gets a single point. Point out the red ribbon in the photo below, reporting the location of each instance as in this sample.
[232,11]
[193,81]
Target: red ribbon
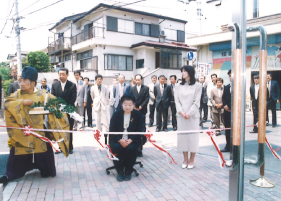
[211,133]
[272,150]
[97,136]
[28,130]
[148,136]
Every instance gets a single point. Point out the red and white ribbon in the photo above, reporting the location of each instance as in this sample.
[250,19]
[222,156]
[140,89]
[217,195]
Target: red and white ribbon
[110,155]
[214,140]
[148,136]
[28,130]
[274,152]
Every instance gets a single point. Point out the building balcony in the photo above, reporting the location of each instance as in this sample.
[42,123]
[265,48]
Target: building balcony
[93,32]
[60,46]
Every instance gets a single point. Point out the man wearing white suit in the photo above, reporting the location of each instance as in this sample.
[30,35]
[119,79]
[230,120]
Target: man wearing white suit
[99,94]
[81,99]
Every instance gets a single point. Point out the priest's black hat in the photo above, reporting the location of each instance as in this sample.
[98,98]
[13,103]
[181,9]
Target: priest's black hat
[29,73]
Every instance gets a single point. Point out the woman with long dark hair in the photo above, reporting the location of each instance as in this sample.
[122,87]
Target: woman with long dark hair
[187,98]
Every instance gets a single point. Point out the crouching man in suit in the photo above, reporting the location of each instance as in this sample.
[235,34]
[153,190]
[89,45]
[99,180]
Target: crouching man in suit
[126,146]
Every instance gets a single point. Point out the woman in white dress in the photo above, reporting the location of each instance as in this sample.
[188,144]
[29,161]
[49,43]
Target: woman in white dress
[187,98]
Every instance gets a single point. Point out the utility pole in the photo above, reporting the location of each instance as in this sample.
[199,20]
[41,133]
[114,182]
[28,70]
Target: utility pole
[17,29]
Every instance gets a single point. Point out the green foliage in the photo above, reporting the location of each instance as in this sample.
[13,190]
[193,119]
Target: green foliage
[39,60]
[5,86]
[54,105]
[24,62]
[5,71]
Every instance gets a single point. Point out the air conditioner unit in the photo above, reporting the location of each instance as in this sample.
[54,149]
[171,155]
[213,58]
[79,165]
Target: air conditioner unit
[162,33]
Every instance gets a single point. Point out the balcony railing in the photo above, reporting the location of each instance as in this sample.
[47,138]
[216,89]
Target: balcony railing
[59,44]
[94,32]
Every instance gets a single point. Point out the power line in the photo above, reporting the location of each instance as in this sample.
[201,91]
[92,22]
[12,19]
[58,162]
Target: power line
[7,18]
[43,8]
[27,7]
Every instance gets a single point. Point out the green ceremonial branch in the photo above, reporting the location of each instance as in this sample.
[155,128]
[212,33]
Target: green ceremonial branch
[54,106]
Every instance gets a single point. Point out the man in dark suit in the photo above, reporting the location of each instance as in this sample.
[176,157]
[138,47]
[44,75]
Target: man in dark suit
[173,80]
[14,86]
[274,95]
[67,91]
[226,100]
[254,91]
[163,96]
[88,108]
[203,101]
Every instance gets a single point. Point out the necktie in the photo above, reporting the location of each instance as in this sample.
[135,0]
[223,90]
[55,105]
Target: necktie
[99,86]
[162,89]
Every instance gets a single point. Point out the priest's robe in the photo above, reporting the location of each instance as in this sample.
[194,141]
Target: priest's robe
[29,152]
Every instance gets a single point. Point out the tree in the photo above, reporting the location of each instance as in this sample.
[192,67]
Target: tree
[5,72]
[39,60]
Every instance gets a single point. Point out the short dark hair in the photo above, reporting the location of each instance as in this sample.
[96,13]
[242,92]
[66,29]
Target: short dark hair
[97,76]
[86,78]
[256,77]
[55,80]
[77,71]
[161,76]
[219,79]
[191,72]
[174,76]
[63,69]
[269,74]
[81,77]
[229,72]
[138,75]
[127,96]
[214,74]
[153,76]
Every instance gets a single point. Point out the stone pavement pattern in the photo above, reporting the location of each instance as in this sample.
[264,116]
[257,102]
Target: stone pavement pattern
[82,176]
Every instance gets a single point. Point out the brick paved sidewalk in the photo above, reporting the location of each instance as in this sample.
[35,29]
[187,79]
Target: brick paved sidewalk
[82,176]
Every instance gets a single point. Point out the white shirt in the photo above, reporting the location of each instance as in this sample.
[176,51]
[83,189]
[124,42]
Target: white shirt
[256,91]
[269,86]
[219,90]
[138,88]
[62,85]
[120,88]
[126,125]
[162,89]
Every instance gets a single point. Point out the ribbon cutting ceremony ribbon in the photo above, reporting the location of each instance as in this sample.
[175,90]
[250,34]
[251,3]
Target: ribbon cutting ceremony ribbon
[274,152]
[110,155]
[220,156]
[28,130]
[148,136]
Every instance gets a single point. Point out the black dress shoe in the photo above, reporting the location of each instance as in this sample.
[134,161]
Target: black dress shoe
[44,174]
[225,150]
[127,177]
[267,124]
[175,128]
[70,152]
[157,130]
[58,152]
[120,176]
[165,129]
[254,132]
[150,124]
[4,180]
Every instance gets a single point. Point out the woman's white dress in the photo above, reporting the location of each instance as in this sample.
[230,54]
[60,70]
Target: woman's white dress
[187,99]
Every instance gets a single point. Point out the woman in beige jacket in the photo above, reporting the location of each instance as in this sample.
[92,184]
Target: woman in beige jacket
[187,98]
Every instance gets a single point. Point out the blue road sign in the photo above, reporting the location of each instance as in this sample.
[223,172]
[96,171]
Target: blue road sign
[190,56]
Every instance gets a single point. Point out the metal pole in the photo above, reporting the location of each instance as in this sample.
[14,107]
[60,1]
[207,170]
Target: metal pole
[17,29]
[238,73]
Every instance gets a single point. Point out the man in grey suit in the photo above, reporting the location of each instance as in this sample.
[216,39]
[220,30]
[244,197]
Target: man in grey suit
[118,91]
[81,99]
[163,96]
[152,100]
[14,86]
[217,104]
[111,98]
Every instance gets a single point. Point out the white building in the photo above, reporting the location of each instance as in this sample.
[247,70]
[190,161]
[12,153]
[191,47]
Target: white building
[112,41]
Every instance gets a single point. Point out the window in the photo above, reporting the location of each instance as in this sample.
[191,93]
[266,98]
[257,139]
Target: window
[171,34]
[118,62]
[84,55]
[171,58]
[180,36]
[91,63]
[112,24]
[125,26]
[154,32]
[140,63]
[67,57]
[256,9]
[142,29]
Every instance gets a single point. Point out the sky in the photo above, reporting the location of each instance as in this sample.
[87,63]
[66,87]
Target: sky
[35,35]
